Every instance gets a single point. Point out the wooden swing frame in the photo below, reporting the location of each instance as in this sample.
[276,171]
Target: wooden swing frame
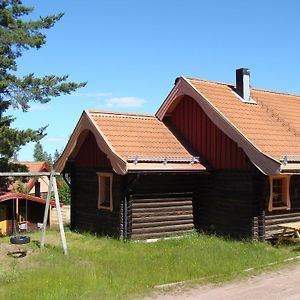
[52,185]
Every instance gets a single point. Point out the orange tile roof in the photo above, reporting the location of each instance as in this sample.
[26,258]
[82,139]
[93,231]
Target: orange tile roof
[35,166]
[272,125]
[138,135]
[132,142]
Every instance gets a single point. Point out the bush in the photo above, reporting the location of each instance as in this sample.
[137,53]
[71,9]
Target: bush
[64,193]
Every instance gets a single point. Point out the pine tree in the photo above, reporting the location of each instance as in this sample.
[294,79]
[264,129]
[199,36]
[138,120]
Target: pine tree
[38,152]
[56,155]
[18,34]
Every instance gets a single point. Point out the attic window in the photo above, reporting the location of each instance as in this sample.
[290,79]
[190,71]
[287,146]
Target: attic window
[105,191]
[279,193]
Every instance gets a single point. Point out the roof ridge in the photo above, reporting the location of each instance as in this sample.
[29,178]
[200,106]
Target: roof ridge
[251,88]
[210,81]
[275,92]
[120,114]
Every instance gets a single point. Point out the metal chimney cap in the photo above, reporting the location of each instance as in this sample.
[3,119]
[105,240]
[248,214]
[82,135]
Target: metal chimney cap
[243,71]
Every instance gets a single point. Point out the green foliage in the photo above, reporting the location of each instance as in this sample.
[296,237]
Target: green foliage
[38,152]
[104,268]
[56,156]
[64,192]
[18,34]
[40,155]
[20,187]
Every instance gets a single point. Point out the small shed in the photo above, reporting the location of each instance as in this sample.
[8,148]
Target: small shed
[17,209]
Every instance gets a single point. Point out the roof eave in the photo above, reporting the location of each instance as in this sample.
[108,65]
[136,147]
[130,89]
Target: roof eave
[86,123]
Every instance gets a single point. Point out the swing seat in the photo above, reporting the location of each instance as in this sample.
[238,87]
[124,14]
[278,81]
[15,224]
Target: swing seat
[23,226]
[24,239]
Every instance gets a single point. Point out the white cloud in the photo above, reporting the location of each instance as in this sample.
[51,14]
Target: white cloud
[124,102]
[92,95]
[36,107]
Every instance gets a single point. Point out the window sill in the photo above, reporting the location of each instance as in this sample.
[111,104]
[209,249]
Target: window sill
[105,208]
[280,208]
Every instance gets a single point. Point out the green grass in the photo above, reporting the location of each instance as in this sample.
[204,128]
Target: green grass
[104,268]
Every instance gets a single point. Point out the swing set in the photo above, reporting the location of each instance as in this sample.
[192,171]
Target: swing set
[52,187]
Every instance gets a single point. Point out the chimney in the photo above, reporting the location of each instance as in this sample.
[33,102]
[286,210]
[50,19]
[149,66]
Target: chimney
[243,84]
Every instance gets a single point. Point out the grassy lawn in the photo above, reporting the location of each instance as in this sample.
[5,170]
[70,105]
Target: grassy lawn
[104,268]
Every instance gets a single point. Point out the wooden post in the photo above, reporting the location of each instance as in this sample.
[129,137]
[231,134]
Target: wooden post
[46,212]
[53,184]
[17,211]
[59,217]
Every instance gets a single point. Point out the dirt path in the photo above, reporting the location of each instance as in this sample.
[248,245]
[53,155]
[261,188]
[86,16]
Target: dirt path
[282,284]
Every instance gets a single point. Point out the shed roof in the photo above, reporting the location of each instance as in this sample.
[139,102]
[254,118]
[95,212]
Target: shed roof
[132,142]
[9,196]
[34,166]
[267,130]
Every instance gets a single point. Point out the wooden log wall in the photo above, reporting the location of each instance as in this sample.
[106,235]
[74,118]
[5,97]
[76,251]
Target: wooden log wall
[161,215]
[85,215]
[161,206]
[226,204]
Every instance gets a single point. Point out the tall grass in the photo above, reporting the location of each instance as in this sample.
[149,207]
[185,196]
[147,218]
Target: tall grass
[104,268]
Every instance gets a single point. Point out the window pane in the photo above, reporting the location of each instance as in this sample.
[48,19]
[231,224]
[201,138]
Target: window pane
[106,191]
[105,181]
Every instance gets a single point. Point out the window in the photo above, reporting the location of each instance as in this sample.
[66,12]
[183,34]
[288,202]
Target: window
[105,190]
[279,193]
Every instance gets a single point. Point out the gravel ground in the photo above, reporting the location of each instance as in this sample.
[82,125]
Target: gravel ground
[282,284]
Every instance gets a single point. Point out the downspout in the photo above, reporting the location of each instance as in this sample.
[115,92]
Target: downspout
[125,204]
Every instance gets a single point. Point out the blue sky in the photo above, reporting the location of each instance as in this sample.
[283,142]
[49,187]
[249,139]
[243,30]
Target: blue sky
[131,51]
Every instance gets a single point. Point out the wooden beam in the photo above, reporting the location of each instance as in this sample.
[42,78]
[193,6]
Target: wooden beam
[27,174]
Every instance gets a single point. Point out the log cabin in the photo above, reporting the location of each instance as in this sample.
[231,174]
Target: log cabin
[216,157]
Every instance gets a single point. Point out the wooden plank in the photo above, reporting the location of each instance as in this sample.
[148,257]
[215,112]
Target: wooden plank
[160,204]
[161,218]
[161,213]
[161,199]
[162,224]
[163,229]
[160,235]
[158,209]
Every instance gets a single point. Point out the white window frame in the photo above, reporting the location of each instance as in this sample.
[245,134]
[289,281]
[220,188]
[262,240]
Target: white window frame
[285,192]
[101,192]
